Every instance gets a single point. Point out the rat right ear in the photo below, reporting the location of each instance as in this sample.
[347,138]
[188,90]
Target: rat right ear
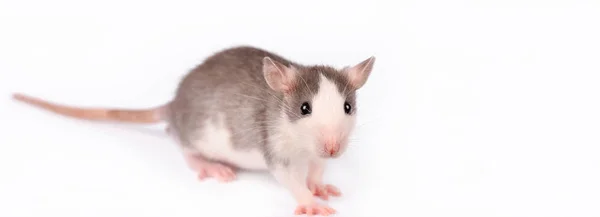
[359,73]
[278,76]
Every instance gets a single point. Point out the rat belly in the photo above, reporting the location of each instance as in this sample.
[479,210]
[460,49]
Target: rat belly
[215,143]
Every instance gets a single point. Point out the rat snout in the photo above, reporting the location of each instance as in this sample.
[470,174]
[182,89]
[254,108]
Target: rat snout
[331,142]
[331,149]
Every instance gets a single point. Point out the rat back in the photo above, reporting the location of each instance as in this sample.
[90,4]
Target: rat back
[224,110]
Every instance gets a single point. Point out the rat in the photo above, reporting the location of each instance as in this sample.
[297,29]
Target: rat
[246,108]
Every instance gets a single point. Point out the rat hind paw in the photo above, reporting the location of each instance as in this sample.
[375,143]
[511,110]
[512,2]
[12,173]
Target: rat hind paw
[219,171]
[314,209]
[207,168]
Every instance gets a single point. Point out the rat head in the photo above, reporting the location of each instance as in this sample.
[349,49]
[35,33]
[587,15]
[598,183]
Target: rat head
[319,102]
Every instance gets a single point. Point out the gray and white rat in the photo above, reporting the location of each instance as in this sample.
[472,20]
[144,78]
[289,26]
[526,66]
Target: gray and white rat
[248,108]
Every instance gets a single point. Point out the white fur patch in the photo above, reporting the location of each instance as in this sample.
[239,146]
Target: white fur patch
[328,123]
[328,111]
[216,144]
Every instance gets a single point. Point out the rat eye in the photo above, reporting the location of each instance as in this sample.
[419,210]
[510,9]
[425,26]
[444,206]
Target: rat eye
[305,108]
[347,108]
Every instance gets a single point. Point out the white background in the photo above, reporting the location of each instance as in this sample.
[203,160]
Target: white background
[474,108]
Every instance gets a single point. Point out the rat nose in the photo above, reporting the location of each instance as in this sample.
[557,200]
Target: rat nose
[331,152]
[331,148]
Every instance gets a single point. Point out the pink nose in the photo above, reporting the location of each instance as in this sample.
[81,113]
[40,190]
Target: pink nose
[331,152]
[331,148]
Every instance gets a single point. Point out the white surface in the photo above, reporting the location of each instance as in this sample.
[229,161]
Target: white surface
[475,108]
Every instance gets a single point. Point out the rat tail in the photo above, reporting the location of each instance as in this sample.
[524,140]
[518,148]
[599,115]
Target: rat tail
[144,116]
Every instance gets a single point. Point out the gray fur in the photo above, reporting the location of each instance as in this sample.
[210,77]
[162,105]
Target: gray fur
[231,83]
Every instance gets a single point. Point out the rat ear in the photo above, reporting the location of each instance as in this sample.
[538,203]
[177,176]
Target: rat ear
[278,76]
[359,73]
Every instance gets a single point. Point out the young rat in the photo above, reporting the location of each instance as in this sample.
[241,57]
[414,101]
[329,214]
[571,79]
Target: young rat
[247,108]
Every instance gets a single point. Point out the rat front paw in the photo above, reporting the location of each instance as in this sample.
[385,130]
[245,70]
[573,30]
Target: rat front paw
[323,191]
[314,209]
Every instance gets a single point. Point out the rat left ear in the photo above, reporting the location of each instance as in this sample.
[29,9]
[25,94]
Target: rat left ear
[359,73]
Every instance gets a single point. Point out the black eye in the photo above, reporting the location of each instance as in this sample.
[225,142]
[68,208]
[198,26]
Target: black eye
[347,108]
[305,108]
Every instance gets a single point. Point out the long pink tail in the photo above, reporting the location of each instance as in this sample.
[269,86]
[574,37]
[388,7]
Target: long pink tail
[145,116]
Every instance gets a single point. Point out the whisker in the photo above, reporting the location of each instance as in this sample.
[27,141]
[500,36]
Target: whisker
[249,130]
[269,127]
[268,91]
[284,107]
[251,97]
[308,88]
[266,139]
[371,120]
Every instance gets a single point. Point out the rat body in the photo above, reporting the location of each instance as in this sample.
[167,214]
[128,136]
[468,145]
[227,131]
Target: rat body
[247,108]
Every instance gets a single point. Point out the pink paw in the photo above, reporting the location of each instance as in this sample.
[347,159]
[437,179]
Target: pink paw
[215,170]
[314,209]
[323,191]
